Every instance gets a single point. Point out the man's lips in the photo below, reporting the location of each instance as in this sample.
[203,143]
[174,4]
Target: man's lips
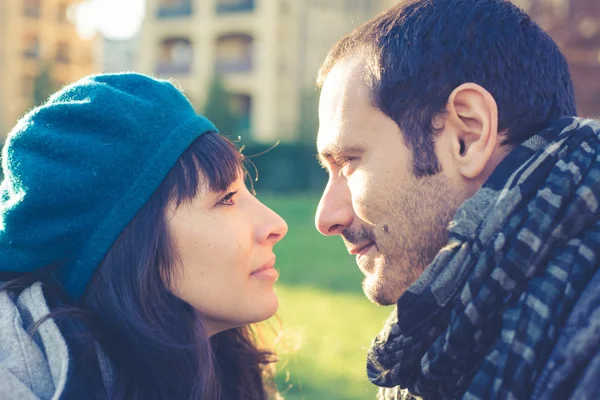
[359,249]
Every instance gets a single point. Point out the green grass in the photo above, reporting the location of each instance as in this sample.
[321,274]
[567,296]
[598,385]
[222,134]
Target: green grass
[326,318]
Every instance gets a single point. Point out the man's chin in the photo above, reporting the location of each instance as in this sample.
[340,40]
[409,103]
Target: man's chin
[377,293]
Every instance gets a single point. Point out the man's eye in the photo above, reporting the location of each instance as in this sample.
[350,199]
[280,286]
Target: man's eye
[228,199]
[343,162]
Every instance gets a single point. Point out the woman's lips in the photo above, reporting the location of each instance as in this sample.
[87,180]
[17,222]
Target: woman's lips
[267,271]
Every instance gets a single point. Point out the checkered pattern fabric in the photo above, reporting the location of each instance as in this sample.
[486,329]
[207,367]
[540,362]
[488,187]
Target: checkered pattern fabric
[482,320]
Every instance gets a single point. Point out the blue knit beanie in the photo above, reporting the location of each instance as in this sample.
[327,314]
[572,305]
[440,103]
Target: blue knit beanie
[78,169]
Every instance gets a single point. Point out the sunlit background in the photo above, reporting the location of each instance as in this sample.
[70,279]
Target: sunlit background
[250,66]
[113,19]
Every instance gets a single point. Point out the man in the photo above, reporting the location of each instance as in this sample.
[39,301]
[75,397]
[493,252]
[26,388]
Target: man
[469,192]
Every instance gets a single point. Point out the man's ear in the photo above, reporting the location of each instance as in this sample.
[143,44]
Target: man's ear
[472,121]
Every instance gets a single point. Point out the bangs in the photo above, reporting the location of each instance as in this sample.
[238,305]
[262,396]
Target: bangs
[212,162]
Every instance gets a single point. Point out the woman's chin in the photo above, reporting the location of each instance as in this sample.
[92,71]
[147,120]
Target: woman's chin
[269,307]
[258,310]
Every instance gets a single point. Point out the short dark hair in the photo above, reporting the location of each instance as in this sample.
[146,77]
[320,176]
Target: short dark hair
[419,51]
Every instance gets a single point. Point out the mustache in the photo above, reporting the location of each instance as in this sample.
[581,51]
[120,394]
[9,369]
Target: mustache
[358,236]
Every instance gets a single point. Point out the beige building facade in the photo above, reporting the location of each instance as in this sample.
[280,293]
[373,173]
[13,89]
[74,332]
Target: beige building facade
[34,33]
[267,52]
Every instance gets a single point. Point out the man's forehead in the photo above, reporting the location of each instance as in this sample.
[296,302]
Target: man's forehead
[345,83]
[344,98]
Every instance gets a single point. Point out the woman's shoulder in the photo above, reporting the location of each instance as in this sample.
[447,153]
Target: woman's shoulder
[31,366]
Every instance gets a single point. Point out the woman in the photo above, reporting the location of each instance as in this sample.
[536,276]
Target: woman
[134,258]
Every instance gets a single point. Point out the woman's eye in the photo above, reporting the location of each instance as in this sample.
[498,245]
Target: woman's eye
[227,200]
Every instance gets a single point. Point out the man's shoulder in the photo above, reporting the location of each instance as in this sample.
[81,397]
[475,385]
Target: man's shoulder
[573,367]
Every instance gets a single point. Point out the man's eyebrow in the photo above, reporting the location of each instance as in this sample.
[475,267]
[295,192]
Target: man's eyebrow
[334,151]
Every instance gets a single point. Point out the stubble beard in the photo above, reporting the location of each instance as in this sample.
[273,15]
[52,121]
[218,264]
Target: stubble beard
[376,285]
[419,238]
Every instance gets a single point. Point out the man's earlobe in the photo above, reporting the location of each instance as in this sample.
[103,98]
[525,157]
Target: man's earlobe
[472,120]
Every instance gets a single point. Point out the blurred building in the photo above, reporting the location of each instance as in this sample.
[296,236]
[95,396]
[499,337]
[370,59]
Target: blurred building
[119,55]
[267,52]
[575,25]
[37,34]
[3,99]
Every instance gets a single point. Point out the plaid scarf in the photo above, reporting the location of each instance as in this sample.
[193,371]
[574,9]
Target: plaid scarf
[484,317]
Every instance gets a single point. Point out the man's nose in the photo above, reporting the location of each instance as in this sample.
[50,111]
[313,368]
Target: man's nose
[334,213]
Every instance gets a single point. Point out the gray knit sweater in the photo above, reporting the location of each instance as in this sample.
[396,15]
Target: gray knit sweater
[30,367]
[41,366]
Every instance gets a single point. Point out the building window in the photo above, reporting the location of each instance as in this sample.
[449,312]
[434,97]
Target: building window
[62,53]
[234,54]
[241,106]
[175,56]
[232,6]
[31,8]
[174,8]
[32,47]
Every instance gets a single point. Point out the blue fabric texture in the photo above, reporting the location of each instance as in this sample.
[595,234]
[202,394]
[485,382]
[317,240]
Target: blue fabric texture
[78,168]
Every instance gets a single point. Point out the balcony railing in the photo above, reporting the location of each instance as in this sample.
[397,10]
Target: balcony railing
[233,66]
[179,10]
[226,7]
[176,56]
[234,54]
[172,68]
[31,8]
[32,12]
[32,52]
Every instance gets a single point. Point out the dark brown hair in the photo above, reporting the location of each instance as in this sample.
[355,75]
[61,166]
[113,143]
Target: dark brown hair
[155,340]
